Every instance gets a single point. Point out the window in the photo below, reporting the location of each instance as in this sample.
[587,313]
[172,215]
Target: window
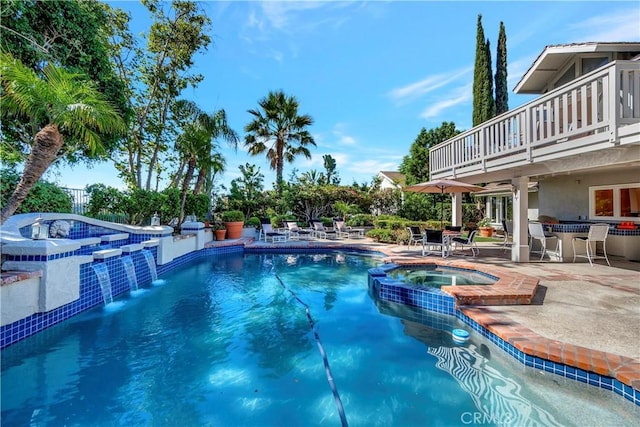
[568,76]
[590,64]
[614,201]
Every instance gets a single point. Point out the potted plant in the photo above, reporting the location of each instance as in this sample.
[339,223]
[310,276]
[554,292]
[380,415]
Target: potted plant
[485,228]
[234,222]
[219,230]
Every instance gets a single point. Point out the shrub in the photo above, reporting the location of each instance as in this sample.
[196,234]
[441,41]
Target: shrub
[232,216]
[382,235]
[43,197]
[360,220]
[254,221]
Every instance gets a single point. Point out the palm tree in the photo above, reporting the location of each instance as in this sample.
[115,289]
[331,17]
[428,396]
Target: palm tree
[198,148]
[280,131]
[59,107]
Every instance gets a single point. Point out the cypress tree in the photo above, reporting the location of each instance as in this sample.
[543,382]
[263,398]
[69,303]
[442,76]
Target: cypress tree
[489,101]
[502,92]
[483,103]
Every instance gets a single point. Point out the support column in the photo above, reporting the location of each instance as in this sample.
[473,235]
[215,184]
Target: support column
[456,209]
[520,195]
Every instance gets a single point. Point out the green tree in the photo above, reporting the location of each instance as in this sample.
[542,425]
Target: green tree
[502,91]
[71,35]
[483,102]
[279,130]
[246,192]
[68,105]
[197,143]
[330,168]
[415,166]
[156,76]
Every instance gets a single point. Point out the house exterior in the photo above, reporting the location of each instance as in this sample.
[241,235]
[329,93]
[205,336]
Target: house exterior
[579,140]
[391,179]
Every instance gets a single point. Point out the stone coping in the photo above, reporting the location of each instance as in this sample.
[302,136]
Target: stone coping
[13,276]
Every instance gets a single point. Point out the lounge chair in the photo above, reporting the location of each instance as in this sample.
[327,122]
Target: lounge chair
[267,232]
[347,231]
[321,231]
[415,236]
[297,233]
[467,241]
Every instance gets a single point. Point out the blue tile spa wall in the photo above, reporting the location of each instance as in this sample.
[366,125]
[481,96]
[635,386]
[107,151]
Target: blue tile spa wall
[90,296]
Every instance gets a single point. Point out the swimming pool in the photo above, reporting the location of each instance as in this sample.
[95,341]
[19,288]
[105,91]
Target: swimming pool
[225,340]
[434,276]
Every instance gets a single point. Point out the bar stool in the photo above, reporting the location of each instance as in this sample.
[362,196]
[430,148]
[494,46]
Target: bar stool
[536,232]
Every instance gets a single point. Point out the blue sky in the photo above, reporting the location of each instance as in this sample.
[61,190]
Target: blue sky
[371,74]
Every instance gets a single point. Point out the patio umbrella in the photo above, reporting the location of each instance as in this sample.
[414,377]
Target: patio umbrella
[442,186]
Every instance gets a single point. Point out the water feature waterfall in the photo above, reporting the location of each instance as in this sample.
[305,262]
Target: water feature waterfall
[105,281]
[151,262]
[130,270]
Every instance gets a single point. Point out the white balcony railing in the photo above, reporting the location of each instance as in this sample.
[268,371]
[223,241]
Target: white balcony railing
[581,115]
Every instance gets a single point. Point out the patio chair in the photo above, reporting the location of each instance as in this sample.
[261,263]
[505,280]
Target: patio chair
[297,233]
[469,241]
[537,232]
[415,236]
[597,233]
[346,230]
[321,231]
[432,242]
[267,232]
[506,229]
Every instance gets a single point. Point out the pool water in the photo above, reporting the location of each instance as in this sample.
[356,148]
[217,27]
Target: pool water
[226,341]
[433,276]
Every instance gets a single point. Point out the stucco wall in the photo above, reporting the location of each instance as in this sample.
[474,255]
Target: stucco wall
[567,197]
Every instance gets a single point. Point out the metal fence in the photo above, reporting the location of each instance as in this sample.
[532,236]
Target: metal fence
[80,200]
[79,206]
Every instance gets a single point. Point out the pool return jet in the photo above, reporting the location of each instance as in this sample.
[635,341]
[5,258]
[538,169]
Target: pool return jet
[327,368]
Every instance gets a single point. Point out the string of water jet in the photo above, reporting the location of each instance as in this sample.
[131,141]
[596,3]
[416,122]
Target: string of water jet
[325,360]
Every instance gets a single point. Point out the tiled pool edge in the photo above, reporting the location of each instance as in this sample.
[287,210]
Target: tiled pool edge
[603,370]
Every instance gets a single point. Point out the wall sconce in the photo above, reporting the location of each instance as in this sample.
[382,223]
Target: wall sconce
[514,191]
[39,230]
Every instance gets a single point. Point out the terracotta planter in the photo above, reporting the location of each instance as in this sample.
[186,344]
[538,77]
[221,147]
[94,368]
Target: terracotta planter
[486,231]
[234,229]
[220,234]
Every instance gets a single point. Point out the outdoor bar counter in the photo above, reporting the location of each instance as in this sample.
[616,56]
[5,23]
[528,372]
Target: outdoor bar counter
[620,242]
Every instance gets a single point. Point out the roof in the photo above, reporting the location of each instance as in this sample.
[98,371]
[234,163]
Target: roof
[395,177]
[502,188]
[554,57]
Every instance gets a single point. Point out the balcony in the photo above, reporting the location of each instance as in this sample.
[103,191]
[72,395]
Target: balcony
[561,131]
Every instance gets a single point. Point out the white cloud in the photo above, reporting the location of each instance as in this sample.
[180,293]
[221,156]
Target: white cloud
[342,137]
[619,25]
[370,166]
[429,84]
[456,97]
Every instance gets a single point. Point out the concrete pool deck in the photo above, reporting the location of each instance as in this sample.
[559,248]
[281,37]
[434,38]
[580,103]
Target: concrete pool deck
[582,316]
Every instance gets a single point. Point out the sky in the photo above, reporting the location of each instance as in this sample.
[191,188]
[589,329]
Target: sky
[370,74]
